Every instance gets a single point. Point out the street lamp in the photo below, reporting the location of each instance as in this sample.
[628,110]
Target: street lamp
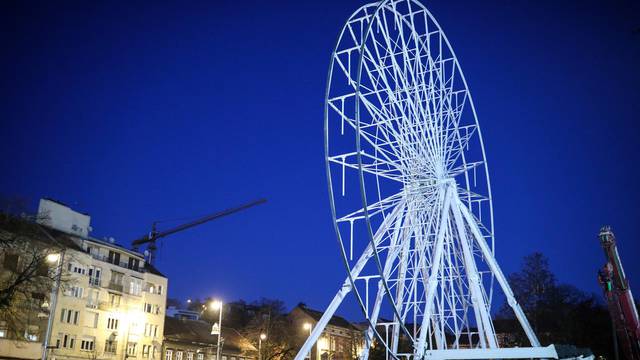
[54,259]
[308,326]
[263,336]
[217,305]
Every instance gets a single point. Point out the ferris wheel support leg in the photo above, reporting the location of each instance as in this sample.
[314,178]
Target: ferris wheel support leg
[432,283]
[324,320]
[502,280]
[393,254]
[346,287]
[483,320]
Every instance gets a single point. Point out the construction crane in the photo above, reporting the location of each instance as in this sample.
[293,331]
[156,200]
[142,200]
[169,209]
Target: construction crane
[624,314]
[154,235]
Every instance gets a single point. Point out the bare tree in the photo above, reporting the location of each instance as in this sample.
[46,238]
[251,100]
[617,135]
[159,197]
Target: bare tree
[27,277]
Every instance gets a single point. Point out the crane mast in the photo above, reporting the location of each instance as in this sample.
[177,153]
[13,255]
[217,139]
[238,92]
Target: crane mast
[154,235]
[615,285]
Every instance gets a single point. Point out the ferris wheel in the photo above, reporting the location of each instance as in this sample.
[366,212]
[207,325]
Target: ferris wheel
[410,191]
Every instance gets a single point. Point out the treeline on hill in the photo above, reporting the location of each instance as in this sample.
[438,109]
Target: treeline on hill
[559,313]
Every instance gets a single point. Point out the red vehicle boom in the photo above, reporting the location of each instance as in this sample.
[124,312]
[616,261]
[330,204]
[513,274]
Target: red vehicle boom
[624,314]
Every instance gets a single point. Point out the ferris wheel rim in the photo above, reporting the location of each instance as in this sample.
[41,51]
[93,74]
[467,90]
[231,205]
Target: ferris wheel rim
[362,185]
[341,246]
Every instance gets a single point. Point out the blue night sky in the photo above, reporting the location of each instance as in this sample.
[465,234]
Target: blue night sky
[135,112]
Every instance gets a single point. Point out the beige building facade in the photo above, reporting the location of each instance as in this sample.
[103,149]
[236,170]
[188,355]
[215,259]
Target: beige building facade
[110,303]
[111,307]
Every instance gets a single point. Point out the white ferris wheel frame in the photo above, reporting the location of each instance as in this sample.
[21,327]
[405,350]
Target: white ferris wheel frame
[453,227]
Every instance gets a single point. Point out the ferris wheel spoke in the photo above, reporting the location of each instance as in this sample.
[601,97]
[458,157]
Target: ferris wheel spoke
[386,204]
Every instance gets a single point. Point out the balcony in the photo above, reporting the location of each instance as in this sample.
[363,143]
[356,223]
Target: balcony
[111,261]
[116,287]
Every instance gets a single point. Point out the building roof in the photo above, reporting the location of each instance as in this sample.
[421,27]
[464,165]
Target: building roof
[199,332]
[55,238]
[335,319]
[43,234]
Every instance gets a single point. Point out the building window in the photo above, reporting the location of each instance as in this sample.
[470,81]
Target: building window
[94,276]
[3,329]
[92,298]
[159,292]
[200,356]
[87,344]
[131,349]
[146,349]
[135,286]
[117,280]
[114,257]
[151,308]
[78,269]
[178,355]
[150,330]
[65,341]
[168,355]
[69,316]
[112,323]
[134,264]
[75,291]
[110,346]
[114,299]
[189,355]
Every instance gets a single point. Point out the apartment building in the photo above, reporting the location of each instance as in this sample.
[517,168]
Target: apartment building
[110,303]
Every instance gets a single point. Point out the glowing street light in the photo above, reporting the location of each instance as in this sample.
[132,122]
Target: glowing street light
[217,305]
[262,337]
[308,326]
[53,258]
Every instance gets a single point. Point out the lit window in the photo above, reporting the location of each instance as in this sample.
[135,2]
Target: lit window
[168,355]
[200,356]
[31,334]
[189,355]
[3,329]
[178,355]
